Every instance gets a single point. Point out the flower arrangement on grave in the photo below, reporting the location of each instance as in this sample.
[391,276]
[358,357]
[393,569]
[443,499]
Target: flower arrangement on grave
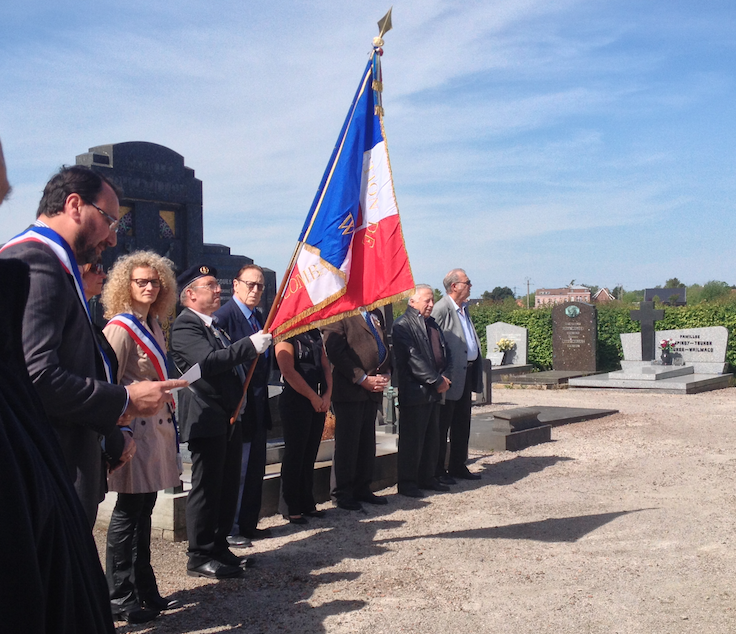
[666,345]
[505,345]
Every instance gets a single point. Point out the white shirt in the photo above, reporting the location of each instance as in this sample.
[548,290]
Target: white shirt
[468,330]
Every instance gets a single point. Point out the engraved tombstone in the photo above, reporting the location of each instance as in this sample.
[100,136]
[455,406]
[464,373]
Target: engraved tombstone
[518,334]
[574,337]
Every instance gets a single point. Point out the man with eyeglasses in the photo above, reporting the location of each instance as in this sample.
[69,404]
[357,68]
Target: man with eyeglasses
[240,318]
[465,374]
[51,575]
[205,411]
[76,222]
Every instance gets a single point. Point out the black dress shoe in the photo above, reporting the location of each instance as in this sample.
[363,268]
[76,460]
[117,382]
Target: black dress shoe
[231,559]
[136,614]
[315,513]
[160,603]
[296,519]
[434,486]
[215,570]
[465,475]
[411,492]
[238,541]
[258,533]
[371,498]
[446,479]
[350,505]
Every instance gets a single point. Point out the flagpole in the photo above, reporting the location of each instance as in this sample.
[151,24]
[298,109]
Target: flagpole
[384,25]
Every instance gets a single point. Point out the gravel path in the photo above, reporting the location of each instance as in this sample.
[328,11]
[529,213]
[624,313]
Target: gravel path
[620,525]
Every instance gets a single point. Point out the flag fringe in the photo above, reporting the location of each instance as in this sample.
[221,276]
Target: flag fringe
[331,320]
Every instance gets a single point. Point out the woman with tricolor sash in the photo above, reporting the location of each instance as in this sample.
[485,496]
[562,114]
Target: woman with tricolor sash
[139,296]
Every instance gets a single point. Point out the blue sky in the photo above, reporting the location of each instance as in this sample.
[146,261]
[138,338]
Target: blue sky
[593,141]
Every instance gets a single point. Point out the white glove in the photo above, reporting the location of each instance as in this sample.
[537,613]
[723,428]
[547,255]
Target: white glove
[261,341]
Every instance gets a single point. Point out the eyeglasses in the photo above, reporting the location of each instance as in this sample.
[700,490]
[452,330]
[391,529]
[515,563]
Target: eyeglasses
[210,287]
[251,285]
[142,283]
[111,222]
[468,282]
[97,269]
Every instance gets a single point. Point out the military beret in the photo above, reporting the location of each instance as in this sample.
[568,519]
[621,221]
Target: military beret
[194,273]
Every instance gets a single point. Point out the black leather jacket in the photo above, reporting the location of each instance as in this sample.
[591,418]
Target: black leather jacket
[415,365]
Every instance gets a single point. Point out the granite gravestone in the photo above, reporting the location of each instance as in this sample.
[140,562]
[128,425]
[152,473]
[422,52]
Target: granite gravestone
[518,334]
[703,348]
[574,337]
[647,316]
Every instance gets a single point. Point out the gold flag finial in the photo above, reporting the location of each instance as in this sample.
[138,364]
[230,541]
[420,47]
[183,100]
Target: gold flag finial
[384,26]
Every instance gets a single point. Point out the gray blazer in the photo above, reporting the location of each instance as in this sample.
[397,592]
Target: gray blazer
[63,362]
[445,314]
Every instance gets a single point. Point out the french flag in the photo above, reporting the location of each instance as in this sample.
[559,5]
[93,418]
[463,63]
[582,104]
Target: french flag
[351,250]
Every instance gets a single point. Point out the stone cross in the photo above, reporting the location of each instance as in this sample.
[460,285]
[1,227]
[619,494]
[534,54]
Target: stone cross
[647,316]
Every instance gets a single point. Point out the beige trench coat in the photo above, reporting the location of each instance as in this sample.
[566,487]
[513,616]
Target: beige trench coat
[154,466]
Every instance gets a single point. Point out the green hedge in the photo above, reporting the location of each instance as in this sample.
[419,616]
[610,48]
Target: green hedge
[613,320]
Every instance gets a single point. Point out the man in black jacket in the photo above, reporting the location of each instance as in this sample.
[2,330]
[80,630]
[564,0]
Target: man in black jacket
[205,409]
[421,357]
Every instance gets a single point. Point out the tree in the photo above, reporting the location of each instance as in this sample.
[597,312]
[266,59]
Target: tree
[486,296]
[500,293]
[715,290]
[592,288]
[674,283]
[618,291]
[437,295]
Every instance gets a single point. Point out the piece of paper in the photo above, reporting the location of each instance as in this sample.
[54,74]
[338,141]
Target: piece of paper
[191,375]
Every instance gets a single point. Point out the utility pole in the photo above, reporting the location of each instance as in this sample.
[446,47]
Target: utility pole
[528,279]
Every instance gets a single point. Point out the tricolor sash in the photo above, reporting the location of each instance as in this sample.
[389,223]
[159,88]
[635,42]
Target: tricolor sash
[39,232]
[145,340]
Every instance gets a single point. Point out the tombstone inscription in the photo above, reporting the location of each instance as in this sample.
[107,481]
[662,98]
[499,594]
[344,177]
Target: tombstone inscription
[574,337]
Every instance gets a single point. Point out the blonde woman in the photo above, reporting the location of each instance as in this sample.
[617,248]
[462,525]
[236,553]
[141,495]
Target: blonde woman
[140,294]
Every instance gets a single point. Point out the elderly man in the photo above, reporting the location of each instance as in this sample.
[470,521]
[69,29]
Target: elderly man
[420,358]
[240,318]
[76,220]
[361,363]
[205,412]
[42,520]
[466,376]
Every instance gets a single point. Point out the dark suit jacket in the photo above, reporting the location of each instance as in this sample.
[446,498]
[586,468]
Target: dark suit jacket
[51,576]
[232,320]
[63,362]
[415,363]
[206,407]
[353,352]
[446,316]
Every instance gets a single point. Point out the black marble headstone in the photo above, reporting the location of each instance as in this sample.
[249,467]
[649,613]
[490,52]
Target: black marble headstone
[647,316]
[574,337]
[161,210]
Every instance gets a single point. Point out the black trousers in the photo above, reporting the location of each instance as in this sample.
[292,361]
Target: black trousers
[455,418]
[212,501]
[355,448]
[251,495]
[418,442]
[130,577]
[302,434]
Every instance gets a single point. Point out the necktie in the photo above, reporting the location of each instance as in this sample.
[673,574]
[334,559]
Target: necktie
[224,341]
[381,347]
[256,327]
